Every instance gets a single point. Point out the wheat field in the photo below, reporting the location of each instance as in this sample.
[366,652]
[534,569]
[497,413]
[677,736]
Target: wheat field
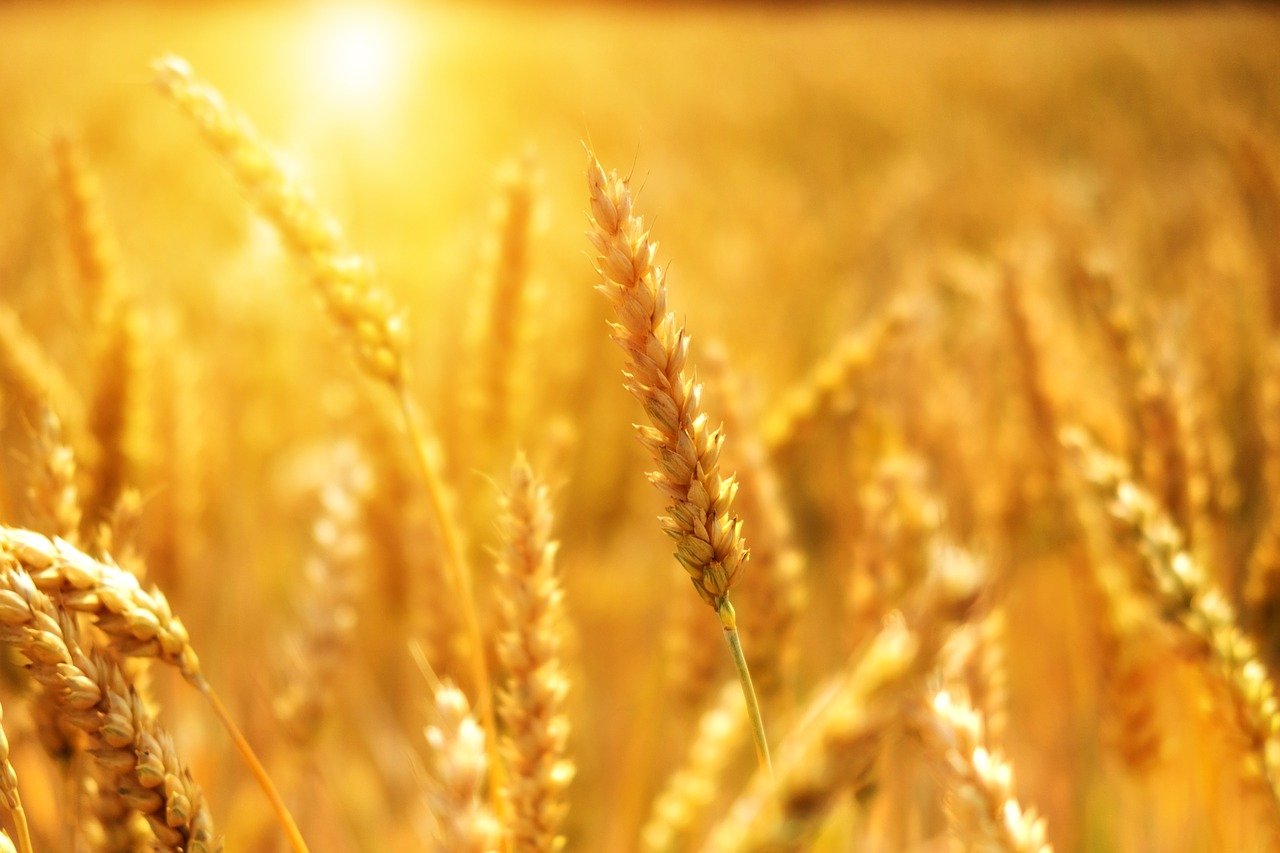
[727,427]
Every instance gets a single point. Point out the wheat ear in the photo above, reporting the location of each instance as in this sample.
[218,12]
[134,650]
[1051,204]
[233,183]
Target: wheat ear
[138,622]
[1197,610]
[357,304]
[840,371]
[93,247]
[9,792]
[982,807]
[699,517]
[94,695]
[532,702]
[458,762]
[504,283]
[326,633]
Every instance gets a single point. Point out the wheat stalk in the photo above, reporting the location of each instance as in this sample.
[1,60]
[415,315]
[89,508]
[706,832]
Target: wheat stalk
[699,517]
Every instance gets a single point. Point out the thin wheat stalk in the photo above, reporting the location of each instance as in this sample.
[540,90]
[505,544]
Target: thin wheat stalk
[363,311]
[139,624]
[699,518]
[532,701]
[982,807]
[1198,611]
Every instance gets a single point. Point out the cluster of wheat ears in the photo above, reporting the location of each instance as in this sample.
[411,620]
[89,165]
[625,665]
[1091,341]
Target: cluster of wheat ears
[904,743]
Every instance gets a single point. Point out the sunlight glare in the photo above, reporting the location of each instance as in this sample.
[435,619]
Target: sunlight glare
[358,51]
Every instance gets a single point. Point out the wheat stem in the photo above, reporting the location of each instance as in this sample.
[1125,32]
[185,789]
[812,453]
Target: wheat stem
[256,769]
[459,574]
[729,620]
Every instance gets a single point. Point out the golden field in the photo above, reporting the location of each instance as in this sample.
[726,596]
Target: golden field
[987,302]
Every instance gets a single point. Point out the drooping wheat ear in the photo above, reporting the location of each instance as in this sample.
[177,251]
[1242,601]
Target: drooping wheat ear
[837,375]
[459,768]
[699,517]
[692,788]
[362,310]
[93,246]
[1195,609]
[32,378]
[1262,580]
[835,746]
[54,494]
[344,281]
[323,639]
[138,622]
[94,695]
[982,808]
[776,596]
[532,700]
[9,791]
[501,328]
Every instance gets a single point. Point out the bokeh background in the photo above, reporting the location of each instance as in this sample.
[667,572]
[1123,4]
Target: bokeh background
[804,168]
